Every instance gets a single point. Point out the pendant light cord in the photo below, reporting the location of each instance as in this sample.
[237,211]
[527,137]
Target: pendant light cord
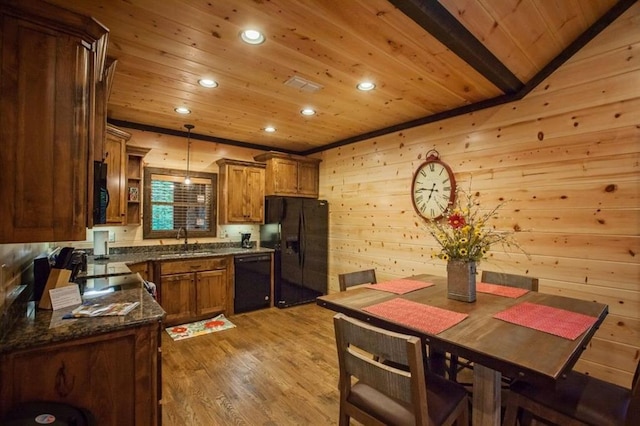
[187,179]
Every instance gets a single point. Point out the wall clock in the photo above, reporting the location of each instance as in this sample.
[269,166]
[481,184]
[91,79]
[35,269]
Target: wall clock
[433,188]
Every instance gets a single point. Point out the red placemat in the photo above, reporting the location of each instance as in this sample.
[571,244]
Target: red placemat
[425,318]
[501,290]
[400,286]
[558,322]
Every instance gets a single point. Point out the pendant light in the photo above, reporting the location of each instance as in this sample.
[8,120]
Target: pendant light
[187,179]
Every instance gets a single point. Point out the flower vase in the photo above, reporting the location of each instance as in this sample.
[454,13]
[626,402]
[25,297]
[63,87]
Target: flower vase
[461,280]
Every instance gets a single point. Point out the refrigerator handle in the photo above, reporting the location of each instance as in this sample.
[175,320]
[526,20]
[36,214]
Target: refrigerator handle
[301,239]
[283,209]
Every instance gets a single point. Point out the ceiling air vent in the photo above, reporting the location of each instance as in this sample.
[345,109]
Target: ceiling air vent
[303,85]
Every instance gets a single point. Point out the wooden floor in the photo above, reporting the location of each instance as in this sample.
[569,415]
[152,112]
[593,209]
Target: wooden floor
[277,367]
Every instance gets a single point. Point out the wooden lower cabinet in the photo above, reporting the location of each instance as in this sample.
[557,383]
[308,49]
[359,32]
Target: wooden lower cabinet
[177,294]
[211,292]
[114,375]
[142,268]
[193,290]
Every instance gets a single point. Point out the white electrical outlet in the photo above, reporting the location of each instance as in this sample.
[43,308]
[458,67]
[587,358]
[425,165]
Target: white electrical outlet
[112,236]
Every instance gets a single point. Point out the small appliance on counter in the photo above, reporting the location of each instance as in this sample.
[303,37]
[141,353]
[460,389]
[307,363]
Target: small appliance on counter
[245,240]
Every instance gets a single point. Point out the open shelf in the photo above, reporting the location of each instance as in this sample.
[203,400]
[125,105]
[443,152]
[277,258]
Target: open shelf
[135,156]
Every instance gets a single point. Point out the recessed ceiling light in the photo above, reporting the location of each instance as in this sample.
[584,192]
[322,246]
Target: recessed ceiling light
[207,82]
[366,86]
[269,129]
[308,111]
[182,110]
[252,36]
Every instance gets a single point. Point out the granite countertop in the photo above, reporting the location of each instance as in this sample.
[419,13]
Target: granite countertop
[155,255]
[38,327]
[34,327]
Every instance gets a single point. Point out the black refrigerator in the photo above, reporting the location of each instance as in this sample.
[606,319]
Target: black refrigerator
[297,229]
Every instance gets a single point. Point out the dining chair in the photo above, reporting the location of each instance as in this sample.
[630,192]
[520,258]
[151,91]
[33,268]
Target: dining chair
[577,400]
[456,365]
[350,279]
[510,280]
[375,393]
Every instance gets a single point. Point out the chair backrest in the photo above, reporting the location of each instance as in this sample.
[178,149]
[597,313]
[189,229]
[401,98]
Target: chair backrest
[350,279]
[369,353]
[510,280]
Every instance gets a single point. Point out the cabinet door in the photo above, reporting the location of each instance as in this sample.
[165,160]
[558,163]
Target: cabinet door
[285,176]
[236,194]
[114,376]
[176,296]
[116,161]
[45,81]
[141,268]
[254,195]
[211,292]
[308,179]
[243,194]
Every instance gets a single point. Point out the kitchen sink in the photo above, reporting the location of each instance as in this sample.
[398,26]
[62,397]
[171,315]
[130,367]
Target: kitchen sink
[188,254]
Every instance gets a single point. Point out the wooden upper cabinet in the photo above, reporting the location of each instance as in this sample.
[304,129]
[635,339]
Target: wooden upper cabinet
[116,160]
[103,90]
[241,191]
[48,65]
[290,175]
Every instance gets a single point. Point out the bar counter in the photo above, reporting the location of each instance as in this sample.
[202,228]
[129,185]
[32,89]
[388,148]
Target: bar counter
[38,327]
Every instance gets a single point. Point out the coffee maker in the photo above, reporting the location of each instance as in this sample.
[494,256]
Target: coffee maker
[245,240]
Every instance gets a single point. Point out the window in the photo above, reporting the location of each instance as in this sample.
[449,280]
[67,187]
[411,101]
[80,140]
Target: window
[170,204]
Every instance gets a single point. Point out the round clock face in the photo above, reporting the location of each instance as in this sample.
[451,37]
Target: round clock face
[433,189]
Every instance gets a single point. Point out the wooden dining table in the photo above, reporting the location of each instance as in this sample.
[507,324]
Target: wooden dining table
[496,347]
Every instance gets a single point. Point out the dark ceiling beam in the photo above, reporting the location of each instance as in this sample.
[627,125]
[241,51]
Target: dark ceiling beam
[466,109]
[194,135]
[437,20]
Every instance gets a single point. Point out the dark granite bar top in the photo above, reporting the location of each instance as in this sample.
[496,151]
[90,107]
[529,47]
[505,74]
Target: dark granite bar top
[36,327]
[155,253]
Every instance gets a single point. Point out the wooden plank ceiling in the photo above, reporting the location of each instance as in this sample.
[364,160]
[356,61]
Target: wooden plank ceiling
[428,59]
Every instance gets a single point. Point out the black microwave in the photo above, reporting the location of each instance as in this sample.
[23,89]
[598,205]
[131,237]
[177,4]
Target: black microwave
[100,193]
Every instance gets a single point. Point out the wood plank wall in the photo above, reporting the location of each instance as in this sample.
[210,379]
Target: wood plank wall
[568,158]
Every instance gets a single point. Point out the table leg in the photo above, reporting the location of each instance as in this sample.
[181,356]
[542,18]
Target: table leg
[486,396]
[437,362]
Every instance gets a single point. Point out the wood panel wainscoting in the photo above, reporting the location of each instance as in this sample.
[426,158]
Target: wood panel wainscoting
[278,367]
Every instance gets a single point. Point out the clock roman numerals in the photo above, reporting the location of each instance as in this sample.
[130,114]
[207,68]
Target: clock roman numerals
[433,189]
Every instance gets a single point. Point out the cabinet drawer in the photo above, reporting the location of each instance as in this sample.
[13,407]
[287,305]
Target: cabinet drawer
[194,265]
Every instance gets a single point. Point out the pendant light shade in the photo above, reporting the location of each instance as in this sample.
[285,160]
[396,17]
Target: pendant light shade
[187,179]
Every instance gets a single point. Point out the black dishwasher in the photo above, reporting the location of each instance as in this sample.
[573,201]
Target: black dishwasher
[252,282]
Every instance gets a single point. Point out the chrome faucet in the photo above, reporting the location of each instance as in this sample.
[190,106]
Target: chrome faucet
[186,241]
